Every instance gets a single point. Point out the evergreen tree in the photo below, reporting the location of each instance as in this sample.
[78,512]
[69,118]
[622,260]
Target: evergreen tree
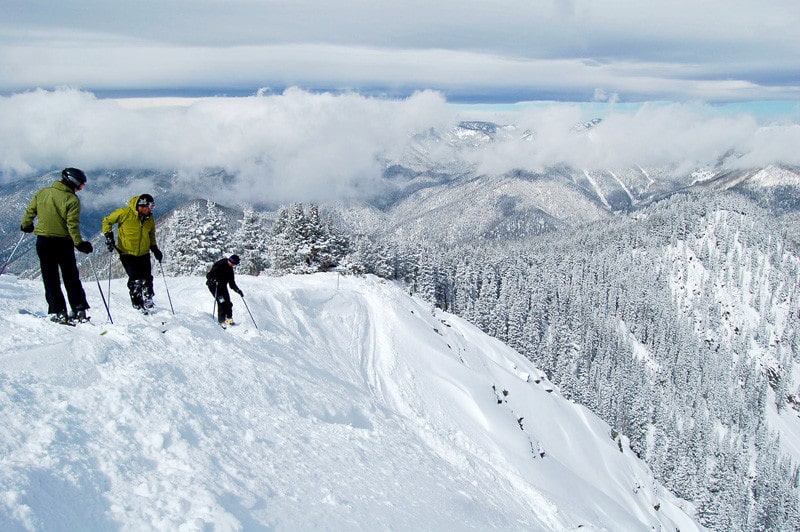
[213,240]
[304,243]
[183,229]
[284,241]
[252,242]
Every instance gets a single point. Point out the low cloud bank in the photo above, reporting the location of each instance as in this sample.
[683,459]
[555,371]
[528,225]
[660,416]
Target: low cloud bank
[307,146]
[683,136]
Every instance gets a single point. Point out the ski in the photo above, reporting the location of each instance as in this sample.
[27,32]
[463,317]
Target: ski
[225,324]
[70,322]
[81,317]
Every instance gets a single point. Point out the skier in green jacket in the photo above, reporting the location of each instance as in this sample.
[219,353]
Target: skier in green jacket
[136,238]
[58,210]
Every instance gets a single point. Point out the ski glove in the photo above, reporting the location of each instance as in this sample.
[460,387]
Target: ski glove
[110,240]
[26,228]
[85,247]
[239,291]
[157,253]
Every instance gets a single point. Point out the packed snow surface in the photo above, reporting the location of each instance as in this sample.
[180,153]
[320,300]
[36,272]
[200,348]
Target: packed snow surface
[343,404]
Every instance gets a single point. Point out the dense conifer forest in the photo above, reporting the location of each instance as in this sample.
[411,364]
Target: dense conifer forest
[676,326]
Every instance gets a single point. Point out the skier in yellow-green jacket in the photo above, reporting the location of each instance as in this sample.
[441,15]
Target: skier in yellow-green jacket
[58,210]
[136,238]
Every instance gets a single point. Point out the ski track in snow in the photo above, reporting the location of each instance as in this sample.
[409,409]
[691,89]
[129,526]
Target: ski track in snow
[350,407]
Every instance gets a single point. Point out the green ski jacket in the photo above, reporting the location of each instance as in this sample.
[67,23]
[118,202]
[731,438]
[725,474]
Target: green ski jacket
[58,210]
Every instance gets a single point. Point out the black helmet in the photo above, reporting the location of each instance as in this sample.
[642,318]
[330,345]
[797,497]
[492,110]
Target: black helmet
[73,176]
[146,200]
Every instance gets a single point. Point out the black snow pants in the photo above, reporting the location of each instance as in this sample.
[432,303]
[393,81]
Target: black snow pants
[140,278]
[58,253]
[223,297]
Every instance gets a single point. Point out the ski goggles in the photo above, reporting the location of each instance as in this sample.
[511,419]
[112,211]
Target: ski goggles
[146,202]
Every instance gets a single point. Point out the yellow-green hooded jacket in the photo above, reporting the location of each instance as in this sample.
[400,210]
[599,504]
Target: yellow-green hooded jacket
[135,234]
[59,211]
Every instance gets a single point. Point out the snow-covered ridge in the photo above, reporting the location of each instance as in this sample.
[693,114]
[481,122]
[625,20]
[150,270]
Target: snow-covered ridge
[773,176]
[352,406]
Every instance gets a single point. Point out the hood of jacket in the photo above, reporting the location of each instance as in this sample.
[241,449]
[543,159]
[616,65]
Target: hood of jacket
[132,204]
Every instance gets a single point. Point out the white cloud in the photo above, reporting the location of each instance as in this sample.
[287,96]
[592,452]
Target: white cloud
[770,144]
[684,136]
[294,144]
[300,145]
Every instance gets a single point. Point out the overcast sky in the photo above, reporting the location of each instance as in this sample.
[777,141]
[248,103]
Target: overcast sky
[471,50]
[321,94]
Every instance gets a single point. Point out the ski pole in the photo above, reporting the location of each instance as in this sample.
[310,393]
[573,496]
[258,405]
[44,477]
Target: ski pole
[214,309]
[12,253]
[166,287]
[100,288]
[109,280]
[248,311]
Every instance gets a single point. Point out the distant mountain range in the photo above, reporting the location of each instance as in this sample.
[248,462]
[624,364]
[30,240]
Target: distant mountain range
[426,197]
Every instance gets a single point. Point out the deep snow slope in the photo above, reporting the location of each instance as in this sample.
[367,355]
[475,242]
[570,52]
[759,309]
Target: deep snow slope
[352,406]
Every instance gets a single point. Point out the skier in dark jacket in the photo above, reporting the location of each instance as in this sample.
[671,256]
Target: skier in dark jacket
[57,232]
[217,280]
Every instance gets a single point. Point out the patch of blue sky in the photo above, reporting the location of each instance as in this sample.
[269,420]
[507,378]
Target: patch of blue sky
[762,111]
[765,110]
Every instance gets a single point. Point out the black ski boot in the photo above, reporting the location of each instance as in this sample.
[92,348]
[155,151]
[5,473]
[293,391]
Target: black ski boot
[61,318]
[136,295]
[147,298]
[79,316]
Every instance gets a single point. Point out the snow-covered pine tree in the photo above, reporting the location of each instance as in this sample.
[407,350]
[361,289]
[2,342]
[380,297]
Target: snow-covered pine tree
[336,242]
[283,242]
[426,278]
[304,243]
[251,240]
[194,237]
[365,255]
[214,242]
[321,255]
[181,241]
